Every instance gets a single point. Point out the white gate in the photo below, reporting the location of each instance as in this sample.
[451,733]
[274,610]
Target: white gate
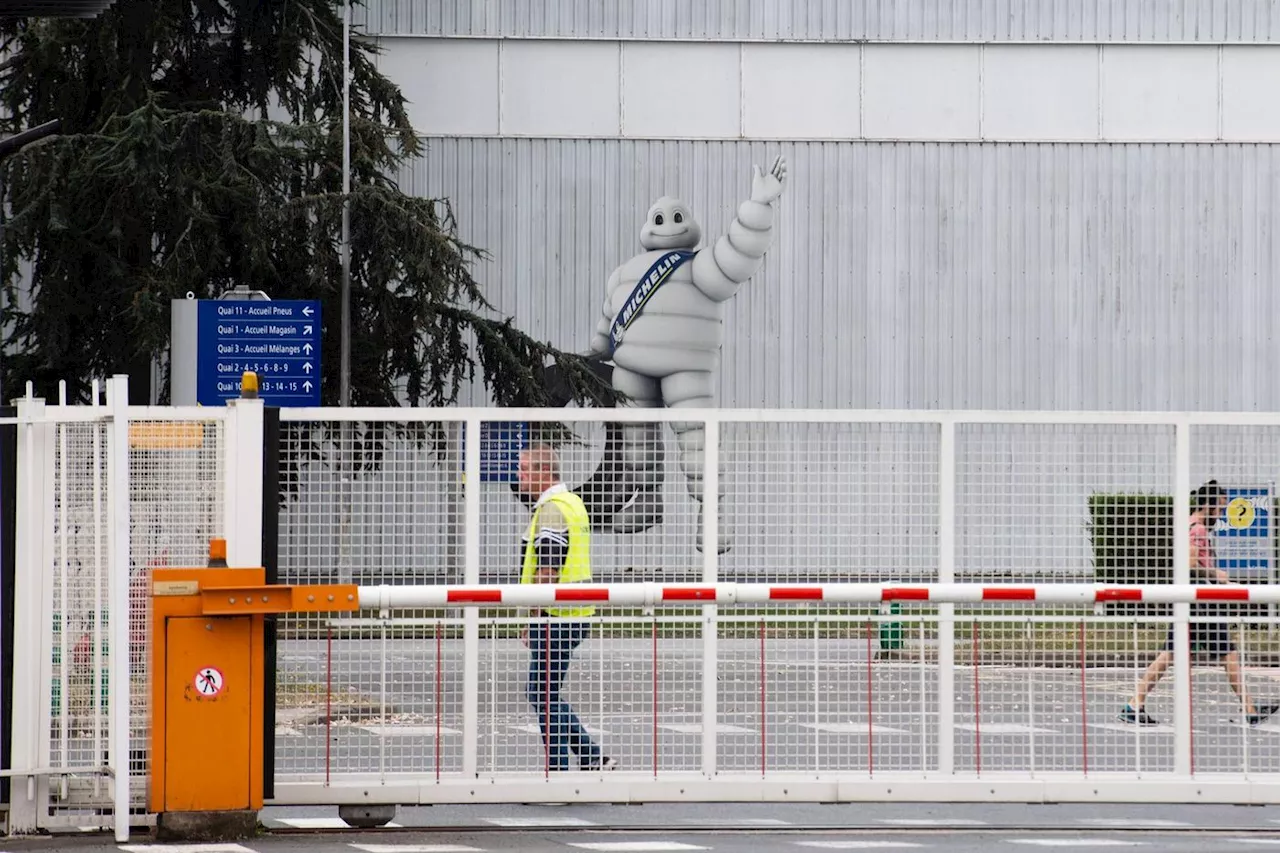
[789,698]
[106,492]
[784,699]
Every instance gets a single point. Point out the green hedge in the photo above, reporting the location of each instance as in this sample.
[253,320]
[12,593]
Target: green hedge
[1132,544]
[1131,538]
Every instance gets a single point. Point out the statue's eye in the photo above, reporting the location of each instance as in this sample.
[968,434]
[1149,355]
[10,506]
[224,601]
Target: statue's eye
[657,219]
[679,218]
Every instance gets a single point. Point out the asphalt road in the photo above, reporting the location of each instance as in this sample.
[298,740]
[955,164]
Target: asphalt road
[825,706]
[977,828]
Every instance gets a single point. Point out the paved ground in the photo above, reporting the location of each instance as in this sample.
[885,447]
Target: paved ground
[749,829]
[827,706]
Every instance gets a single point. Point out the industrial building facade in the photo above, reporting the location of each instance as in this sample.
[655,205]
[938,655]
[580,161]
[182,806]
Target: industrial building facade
[991,204]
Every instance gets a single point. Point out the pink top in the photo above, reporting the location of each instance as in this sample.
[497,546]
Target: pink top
[1201,556]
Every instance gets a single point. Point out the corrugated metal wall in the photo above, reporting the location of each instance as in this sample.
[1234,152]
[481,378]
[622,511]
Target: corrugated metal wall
[988,276]
[1237,21]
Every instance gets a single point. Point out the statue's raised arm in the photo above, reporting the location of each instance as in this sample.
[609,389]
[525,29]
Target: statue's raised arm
[720,270]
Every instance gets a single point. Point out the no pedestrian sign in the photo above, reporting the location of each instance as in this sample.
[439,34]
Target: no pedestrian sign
[208,682]
[277,339]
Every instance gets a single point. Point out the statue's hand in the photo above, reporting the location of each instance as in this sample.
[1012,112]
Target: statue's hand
[767,187]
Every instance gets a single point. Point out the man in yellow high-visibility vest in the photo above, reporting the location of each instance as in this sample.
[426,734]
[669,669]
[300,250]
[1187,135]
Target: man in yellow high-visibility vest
[557,549]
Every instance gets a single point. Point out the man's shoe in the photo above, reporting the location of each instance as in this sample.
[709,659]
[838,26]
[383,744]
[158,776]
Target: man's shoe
[1262,713]
[605,763]
[1139,717]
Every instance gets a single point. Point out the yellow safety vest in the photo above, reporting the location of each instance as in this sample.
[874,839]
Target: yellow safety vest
[577,565]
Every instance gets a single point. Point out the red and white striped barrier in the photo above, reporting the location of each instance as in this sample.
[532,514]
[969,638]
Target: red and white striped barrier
[652,594]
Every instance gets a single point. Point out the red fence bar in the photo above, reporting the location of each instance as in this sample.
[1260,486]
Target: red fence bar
[763,705]
[328,704]
[977,706]
[655,697]
[1084,703]
[439,693]
[870,705]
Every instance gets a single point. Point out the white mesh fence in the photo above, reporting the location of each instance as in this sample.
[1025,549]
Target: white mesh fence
[808,688]
[176,506]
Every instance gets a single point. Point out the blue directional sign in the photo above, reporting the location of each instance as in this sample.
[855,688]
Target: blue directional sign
[278,340]
[500,446]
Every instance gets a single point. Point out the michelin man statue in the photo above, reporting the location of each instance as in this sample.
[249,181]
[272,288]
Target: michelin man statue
[662,326]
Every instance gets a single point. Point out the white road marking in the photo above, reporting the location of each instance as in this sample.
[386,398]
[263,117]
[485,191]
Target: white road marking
[1004,729]
[929,821]
[538,821]
[320,823]
[636,846]
[696,729]
[858,845]
[407,731]
[532,728]
[416,848]
[1076,842]
[1254,840]
[728,821]
[854,728]
[1130,728]
[185,848]
[1131,821]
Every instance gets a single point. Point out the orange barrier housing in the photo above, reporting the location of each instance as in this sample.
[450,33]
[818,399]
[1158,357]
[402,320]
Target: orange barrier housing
[207,666]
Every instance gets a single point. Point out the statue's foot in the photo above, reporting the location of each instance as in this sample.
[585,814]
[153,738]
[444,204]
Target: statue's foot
[724,540]
[641,512]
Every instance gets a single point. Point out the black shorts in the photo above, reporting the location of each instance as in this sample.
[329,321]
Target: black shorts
[1211,638]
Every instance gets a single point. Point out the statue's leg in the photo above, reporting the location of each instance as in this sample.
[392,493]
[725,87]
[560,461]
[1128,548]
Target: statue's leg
[639,462]
[694,390]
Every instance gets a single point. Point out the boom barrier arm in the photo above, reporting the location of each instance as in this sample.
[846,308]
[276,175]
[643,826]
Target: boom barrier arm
[385,598]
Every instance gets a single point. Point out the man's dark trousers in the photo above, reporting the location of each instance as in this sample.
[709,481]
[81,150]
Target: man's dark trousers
[562,731]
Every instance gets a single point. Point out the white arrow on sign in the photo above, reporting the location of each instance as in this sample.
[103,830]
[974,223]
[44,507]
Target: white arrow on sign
[306,365]
[307,310]
[306,386]
[306,330]
[306,348]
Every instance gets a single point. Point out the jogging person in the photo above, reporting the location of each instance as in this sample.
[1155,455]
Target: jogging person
[1211,638]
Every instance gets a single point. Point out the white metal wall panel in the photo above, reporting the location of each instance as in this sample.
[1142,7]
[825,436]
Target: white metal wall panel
[1160,93]
[1032,93]
[451,85]
[1250,80]
[688,90]
[910,93]
[915,275]
[801,91]
[940,92]
[550,90]
[834,20]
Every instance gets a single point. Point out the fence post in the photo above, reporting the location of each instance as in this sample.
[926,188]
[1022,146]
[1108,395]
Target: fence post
[1182,761]
[470,615]
[242,496]
[710,575]
[32,615]
[946,612]
[119,686]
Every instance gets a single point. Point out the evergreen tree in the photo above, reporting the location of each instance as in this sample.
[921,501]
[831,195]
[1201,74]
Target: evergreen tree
[168,178]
